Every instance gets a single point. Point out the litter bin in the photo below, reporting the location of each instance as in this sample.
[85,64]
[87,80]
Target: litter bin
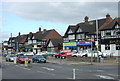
[102,60]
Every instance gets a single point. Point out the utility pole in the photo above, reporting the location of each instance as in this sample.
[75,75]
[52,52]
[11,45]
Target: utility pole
[97,41]
[11,39]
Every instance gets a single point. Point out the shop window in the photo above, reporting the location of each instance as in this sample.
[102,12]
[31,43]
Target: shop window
[117,46]
[107,47]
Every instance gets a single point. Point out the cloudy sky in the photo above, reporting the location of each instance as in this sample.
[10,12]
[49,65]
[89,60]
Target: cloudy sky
[27,17]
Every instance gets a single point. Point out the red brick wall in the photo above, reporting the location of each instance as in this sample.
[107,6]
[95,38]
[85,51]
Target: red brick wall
[52,34]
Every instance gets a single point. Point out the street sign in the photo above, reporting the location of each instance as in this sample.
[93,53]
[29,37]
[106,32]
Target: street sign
[26,61]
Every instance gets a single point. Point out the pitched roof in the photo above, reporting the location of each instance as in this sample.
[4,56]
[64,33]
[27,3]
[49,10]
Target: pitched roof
[40,36]
[110,25]
[72,27]
[91,26]
[21,38]
[56,41]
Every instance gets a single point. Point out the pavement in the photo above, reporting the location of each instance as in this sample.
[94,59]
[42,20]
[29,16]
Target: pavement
[64,61]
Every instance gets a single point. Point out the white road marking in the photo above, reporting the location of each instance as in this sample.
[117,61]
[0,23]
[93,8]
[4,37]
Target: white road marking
[50,69]
[46,73]
[100,70]
[26,68]
[113,75]
[105,77]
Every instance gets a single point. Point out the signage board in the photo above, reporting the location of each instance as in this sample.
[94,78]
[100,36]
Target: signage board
[69,44]
[35,46]
[84,43]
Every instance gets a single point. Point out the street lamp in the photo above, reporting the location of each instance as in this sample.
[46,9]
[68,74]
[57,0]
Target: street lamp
[97,41]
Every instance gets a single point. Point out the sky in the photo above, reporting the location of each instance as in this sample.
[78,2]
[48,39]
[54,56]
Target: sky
[27,16]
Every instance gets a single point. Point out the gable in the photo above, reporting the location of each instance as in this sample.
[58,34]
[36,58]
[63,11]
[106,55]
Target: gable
[33,37]
[79,30]
[50,44]
[117,26]
[70,31]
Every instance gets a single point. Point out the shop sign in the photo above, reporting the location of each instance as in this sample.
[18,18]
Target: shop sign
[84,43]
[69,44]
[35,46]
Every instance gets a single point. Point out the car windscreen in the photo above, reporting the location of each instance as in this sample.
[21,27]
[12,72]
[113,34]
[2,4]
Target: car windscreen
[23,57]
[12,55]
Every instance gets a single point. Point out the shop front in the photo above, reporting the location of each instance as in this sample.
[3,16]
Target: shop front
[83,45]
[69,46]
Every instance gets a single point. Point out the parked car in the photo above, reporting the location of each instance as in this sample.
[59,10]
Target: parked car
[38,58]
[77,54]
[28,53]
[58,55]
[10,58]
[62,53]
[87,53]
[21,59]
[63,56]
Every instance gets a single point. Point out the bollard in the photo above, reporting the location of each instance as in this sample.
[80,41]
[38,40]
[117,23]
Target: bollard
[15,61]
[102,59]
[26,62]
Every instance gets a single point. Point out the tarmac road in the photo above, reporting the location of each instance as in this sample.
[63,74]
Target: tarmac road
[58,71]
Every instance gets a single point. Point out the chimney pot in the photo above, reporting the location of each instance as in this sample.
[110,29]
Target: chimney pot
[44,30]
[40,29]
[19,33]
[30,32]
[86,19]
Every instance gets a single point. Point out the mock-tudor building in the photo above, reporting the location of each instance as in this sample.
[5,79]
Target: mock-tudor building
[34,41]
[53,44]
[110,37]
[79,36]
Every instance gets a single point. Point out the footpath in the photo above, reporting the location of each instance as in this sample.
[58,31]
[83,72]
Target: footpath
[64,61]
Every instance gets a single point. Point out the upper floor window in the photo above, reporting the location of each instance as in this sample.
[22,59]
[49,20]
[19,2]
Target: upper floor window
[107,47]
[117,46]
[80,36]
[108,32]
[71,37]
[34,41]
[29,41]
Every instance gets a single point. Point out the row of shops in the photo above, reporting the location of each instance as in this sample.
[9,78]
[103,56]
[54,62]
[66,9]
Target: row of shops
[83,45]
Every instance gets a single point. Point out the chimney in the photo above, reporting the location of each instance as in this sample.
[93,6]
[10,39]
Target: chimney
[108,18]
[19,34]
[86,19]
[44,30]
[30,32]
[39,29]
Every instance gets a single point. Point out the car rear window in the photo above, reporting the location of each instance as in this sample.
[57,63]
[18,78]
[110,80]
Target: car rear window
[23,57]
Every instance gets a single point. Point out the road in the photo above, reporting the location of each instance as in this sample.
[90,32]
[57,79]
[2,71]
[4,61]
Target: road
[57,71]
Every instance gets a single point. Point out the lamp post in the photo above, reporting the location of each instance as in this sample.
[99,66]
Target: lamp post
[97,41]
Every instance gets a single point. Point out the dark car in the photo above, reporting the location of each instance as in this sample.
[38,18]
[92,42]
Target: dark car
[38,58]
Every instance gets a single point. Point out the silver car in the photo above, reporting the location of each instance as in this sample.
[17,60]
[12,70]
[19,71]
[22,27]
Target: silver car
[10,58]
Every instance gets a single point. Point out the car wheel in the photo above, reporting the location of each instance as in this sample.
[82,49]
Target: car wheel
[63,57]
[37,61]
[9,60]
[44,61]
[33,61]
[57,56]
[6,60]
